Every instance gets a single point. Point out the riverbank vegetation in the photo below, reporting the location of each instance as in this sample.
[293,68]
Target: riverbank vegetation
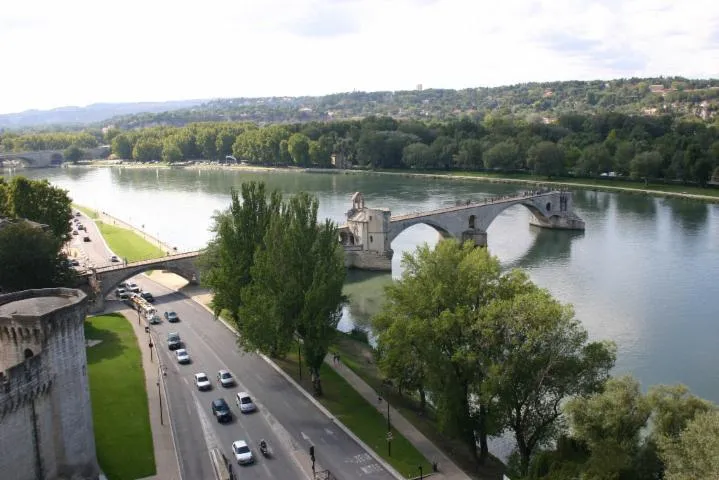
[278,272]
[117,390]
[34,226]
[477,353]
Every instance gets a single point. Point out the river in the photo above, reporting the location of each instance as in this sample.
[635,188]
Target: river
[645,273]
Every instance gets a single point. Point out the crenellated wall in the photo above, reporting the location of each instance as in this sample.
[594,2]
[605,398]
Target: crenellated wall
[45,411]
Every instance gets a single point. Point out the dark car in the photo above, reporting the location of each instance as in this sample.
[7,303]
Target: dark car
[173,341]
[147,296]
[86,239]
[221,410]
[171,317]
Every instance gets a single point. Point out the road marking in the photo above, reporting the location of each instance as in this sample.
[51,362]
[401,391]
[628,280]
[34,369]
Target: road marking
[304,435]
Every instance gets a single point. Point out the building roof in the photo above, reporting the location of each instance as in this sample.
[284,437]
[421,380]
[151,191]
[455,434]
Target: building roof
[4,221]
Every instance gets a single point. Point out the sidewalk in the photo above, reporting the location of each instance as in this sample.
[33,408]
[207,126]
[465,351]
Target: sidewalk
[448,470]
[162,440]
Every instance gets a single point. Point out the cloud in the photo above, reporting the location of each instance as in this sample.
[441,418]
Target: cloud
[80,52]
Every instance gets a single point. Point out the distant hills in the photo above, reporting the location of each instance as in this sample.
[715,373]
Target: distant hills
[81,116]
[637,96]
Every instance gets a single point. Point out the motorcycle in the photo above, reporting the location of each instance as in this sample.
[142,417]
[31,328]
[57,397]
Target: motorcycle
[264,449]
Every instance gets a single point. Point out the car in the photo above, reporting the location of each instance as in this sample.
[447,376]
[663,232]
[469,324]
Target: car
[171,317]
[74,263]
[202,381]
[80,226]
[114,258]
[182,356]
[77,214]
[148,296]
[75,232]
[120,291]
[242,452]
[85,239]
[123,296]
[122,285]
[244,402]
[173,341]
[225,378]
[221,410]
[154,319]
[133,287]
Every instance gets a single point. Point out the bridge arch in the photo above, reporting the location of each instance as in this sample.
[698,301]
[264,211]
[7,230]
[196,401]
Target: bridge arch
[110,282]
[436,225]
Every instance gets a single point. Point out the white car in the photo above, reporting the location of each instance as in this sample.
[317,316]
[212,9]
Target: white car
[242,452]
[245,402]
[202,381]
[182,356]
[133,287]
[225,378]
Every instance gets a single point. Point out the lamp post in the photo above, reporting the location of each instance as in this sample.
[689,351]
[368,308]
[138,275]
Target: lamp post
[420,473]
[389,424]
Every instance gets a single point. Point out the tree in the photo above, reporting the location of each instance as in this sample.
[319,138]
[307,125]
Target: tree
[540,357]
[594,160]
[31,258]
[147,149]
[207,143]
[695,454]
[610,422]
[299,296]
[673,408]
[298,146]
[646,165]
[545,158]
[239,233]
[73,153]
[502,156]
[122,147]
[469,155]
[39,201]
[171,152]
[417,155]
[431,313]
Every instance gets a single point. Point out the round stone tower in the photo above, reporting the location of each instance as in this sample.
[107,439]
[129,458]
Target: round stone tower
[45,410]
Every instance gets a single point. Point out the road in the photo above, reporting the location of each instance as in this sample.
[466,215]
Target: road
[285,418]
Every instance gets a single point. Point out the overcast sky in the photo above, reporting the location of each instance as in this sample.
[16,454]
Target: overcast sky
[77,52]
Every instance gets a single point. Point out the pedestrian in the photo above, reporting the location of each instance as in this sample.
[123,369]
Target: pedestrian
[339,362]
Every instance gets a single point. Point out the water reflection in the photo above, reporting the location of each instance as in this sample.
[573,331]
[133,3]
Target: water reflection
[549,246]
[691,216]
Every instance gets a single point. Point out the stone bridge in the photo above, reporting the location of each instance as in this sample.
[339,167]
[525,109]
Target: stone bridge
[48,158]
[369,232]
[104,280]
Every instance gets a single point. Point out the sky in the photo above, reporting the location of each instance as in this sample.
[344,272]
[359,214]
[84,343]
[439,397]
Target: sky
[78,52]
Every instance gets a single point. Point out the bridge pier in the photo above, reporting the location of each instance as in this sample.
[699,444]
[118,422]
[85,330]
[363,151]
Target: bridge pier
[568,221]
[479,237]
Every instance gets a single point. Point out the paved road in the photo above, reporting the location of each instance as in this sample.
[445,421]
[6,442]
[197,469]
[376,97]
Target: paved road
[285,418]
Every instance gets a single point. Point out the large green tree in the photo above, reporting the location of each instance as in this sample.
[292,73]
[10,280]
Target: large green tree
[539,357]
[30,258]
[695,453]
[39,201]
[238,233]
[296,286]
[428,329]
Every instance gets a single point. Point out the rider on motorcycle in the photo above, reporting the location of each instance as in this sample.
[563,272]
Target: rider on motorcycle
[263,445]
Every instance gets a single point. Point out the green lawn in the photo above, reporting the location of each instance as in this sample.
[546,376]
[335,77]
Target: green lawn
[128,244]
[361,417]
[590,183]
[119,400]
[87,211]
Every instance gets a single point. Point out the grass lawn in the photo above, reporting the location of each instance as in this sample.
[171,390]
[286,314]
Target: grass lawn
[361,417]
[359,358]
[127,244]
[87,211]
[590,183]
[117,387]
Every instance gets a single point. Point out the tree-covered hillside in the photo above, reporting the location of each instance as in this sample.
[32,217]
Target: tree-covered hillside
[643,96]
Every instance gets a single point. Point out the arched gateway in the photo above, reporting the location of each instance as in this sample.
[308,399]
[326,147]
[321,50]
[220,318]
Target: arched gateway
[369,232]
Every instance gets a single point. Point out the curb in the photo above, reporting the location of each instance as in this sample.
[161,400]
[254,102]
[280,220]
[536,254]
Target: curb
[314,401]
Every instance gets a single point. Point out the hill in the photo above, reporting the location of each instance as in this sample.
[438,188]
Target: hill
[640,96]
[80,116]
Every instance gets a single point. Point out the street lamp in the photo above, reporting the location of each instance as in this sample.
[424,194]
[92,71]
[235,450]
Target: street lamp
[389,424]
[420,473]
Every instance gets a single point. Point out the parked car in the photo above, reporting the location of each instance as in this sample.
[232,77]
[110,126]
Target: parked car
[80,226]
[133,287]
[173,341]
[77,214]
[148,297]
[244,402]
[114,258]
[182,356]
[171,317]
[225,378]
[221,410]
[85,239]
[202,381]
[74,232]
[242,452]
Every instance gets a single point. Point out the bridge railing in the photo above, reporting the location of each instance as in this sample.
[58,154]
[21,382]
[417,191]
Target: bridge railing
[469,204]
[150,261]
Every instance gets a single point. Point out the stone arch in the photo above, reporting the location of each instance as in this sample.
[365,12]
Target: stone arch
[56,158]
[347,238]
[533,209]
[108,287]
[421,221]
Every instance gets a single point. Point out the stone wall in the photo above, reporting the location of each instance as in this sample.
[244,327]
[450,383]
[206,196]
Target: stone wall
[45,410]
[368,260]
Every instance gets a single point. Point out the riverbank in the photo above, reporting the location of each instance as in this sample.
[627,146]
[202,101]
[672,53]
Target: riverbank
[608,184]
